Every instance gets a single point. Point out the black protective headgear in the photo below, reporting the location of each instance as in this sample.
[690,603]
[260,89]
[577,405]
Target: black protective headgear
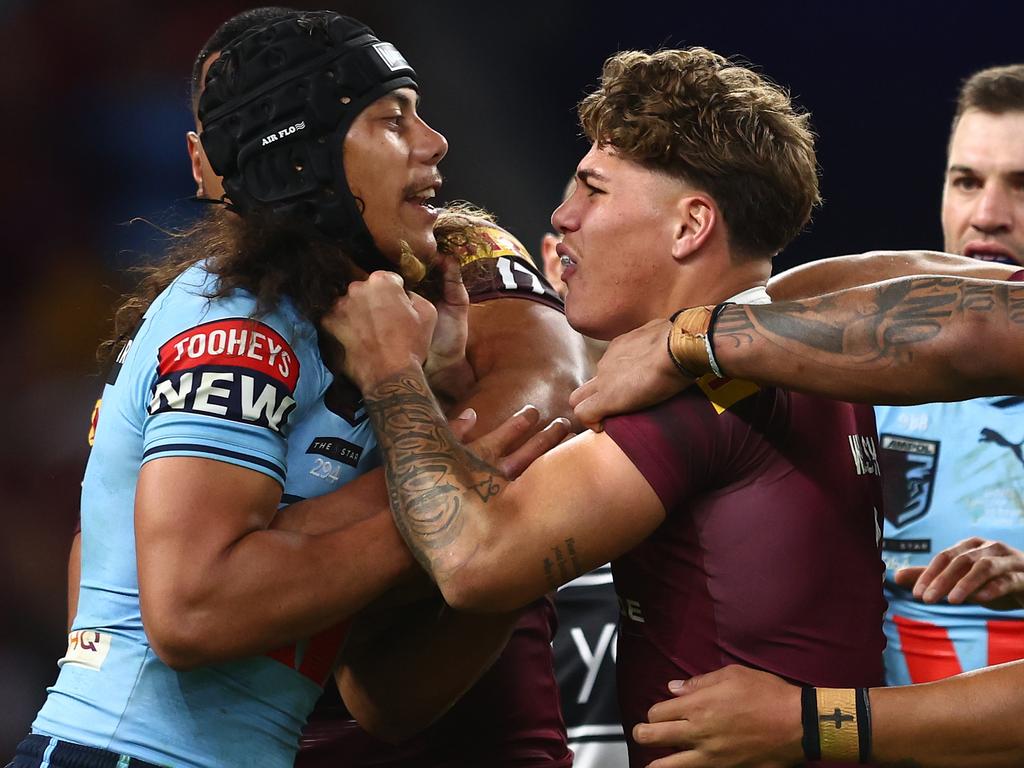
[276,108]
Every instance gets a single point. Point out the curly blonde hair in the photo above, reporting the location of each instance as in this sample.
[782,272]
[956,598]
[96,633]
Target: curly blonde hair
[718,126]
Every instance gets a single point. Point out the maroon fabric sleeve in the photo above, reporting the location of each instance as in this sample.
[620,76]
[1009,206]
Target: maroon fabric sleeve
[673,444]
[508,277]
[1017,276]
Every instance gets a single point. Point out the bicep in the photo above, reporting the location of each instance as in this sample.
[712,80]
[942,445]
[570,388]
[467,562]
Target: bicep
[522,352]
[189,512]
[575,508]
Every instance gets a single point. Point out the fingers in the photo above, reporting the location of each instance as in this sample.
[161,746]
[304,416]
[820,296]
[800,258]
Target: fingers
[671,733]
[908,577]
[463,424]
[984,569]
[512,432]
[1007,585]
[516,462]
[958,571]
[426,311]
[941,562]
[583,391]
[586,405]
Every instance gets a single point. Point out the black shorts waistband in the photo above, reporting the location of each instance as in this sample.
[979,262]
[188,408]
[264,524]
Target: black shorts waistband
[38,751]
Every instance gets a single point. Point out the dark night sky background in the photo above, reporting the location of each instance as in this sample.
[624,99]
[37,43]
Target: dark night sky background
[95,107]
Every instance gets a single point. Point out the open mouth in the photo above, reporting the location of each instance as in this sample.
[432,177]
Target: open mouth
[424,196]
[988,251]
[567,260]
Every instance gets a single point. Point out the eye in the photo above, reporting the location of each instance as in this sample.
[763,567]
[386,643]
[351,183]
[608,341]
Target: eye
[591,190]
[965,183]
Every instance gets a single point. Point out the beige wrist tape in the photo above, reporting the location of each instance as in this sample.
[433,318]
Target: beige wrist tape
[687,340]
[838,728]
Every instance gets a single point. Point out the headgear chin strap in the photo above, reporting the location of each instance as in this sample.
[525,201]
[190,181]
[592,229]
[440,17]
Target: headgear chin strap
[277,105]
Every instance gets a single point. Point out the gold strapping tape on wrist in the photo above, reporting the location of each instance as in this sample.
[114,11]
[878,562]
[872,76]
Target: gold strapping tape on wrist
[686,339]
[837,724]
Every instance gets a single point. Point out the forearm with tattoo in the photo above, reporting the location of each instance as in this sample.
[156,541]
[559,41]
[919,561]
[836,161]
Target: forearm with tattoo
[913,328]
[428,471]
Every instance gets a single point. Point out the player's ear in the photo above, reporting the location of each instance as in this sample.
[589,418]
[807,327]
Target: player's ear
[195,156]
[696,219]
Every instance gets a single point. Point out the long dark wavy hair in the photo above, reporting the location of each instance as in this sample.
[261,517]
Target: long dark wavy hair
[263,255]
[272,259]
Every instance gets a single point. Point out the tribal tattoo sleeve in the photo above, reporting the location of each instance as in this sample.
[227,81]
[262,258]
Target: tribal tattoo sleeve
[889,327]
[429,473]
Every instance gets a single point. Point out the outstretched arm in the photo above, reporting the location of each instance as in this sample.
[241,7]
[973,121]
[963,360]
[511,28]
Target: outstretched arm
[910,340]
[738,716]
[841,272]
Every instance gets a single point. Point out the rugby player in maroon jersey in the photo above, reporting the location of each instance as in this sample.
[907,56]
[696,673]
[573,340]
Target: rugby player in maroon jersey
[742,521]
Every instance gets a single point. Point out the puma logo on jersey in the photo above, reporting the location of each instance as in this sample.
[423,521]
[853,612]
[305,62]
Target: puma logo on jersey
[991,436]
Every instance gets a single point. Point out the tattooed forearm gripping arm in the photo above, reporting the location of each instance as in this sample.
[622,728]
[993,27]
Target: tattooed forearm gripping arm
[903,340]
[430,475]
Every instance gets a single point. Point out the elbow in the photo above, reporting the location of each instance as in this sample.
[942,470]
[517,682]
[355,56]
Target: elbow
[389,729]
[178,638]
[391,719]
[176,652]
[473,591]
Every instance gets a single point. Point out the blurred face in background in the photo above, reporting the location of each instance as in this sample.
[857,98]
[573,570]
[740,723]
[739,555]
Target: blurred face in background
[983,197]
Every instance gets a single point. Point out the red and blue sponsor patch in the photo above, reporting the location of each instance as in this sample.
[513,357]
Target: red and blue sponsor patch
[238,369]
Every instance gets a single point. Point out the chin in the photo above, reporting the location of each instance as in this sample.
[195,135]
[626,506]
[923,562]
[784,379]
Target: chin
[587,324]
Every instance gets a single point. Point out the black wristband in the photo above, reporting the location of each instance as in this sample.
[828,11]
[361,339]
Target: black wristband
[711,339]
[809,719]
[864,724]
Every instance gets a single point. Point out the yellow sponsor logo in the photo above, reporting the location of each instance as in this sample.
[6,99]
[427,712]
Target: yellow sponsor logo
[491,243]
[93,421]
[725,393]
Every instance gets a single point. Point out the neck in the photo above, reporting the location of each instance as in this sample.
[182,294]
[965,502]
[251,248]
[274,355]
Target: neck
[704,286]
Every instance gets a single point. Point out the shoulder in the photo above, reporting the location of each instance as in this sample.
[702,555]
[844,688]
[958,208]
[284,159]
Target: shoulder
[495,264]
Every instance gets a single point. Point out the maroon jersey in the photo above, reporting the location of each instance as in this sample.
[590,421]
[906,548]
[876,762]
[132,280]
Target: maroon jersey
[769,554]
[511,717]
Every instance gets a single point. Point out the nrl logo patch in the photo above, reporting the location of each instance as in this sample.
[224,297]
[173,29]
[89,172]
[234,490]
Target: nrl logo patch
[908,464]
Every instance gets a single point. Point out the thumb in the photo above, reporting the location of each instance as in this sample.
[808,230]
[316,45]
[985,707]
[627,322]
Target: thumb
[455,292]
[907,577]
[463,424]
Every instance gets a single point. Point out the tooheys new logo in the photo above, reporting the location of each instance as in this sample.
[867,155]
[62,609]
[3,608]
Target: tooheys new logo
[237,369]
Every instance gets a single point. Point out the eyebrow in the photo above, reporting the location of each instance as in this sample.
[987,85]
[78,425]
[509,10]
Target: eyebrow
[586,174]
[975,172]
[403,100]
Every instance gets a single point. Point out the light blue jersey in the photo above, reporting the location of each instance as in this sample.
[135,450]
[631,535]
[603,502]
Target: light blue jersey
[950,471]
[211,379]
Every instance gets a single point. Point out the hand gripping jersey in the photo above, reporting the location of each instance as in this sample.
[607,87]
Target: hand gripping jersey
[511,717]
[769,552]
[950,471]
[205,378]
